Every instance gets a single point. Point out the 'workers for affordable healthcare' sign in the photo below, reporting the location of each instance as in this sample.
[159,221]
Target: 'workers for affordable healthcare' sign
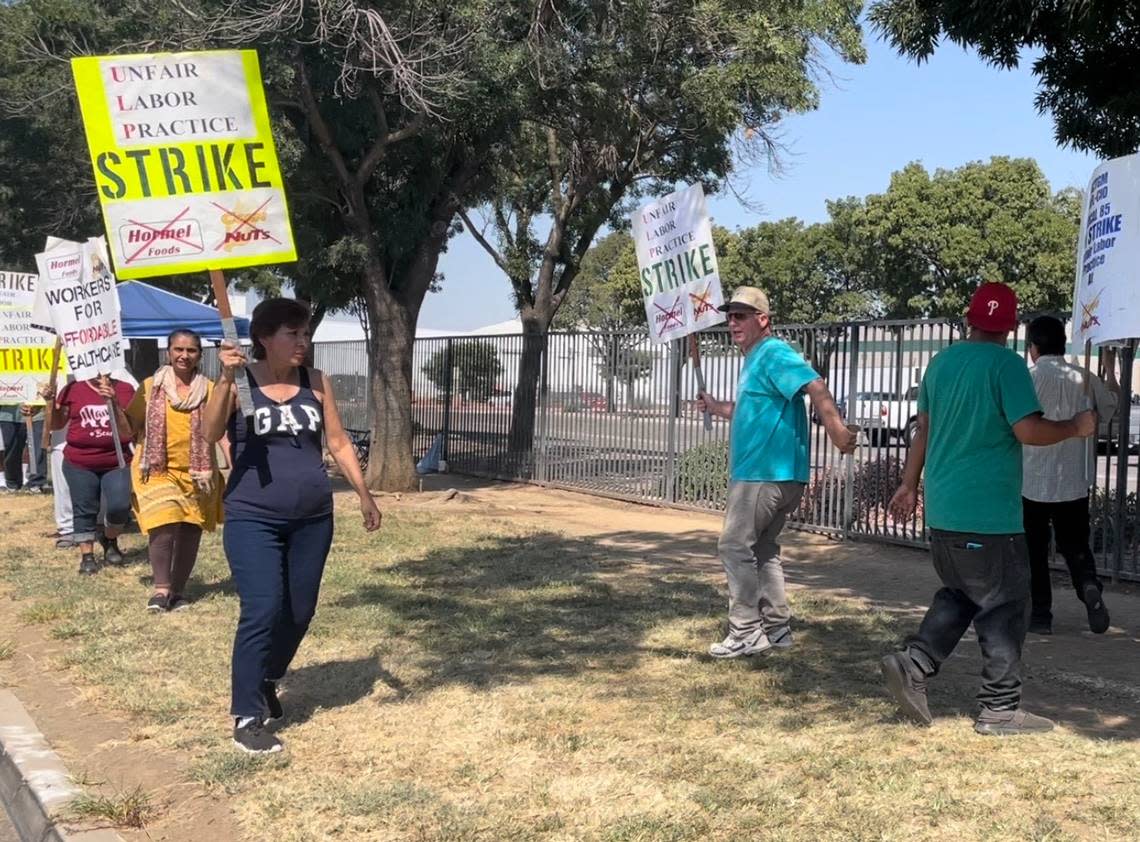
[680,280]
[77,299]
[1106,302]
[185,166]
[25,353]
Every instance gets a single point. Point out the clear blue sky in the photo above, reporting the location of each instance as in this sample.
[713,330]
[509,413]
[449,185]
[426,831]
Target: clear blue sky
[872,121]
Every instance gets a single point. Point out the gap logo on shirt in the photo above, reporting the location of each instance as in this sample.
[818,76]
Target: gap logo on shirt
[283,419]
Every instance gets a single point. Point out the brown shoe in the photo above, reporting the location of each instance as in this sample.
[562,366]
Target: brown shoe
[908,692]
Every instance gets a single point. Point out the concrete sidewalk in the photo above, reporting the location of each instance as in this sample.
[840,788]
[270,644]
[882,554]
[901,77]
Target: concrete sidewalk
[35,786]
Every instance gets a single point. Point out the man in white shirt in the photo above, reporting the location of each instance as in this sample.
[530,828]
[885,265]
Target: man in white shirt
[1056,479]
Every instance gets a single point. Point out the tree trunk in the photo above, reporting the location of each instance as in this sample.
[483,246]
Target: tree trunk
[391,340]
[524,408]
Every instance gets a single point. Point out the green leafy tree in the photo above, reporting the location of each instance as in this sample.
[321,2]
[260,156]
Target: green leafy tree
[799,267]
[474,369]
[1089,52]
[636,97]
[385,119]
[626,366]
[924,245]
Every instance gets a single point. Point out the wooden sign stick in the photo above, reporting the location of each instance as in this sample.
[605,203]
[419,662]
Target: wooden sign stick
[106,380]
[49,406]
[229,330]
[695,354]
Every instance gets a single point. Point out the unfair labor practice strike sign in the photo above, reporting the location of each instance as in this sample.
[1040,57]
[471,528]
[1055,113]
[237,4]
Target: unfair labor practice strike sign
[184,161]
[1106,302]
[25,353]
[76,298]
[680,280]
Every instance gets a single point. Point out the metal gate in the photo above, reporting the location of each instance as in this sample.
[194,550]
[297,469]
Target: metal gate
[615,415]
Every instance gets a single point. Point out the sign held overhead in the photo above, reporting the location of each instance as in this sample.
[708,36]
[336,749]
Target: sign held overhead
[1106,301]
[680,279]
[185,167]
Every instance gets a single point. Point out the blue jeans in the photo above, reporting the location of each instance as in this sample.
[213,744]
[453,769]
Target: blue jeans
[277,567]
[86,487]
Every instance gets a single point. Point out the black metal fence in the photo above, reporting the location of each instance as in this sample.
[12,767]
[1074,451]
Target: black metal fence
[615,415]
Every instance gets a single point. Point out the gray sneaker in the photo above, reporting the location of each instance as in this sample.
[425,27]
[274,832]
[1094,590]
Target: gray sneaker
[777,638]
[756,643]
[735,646]
[1010,723]
[908,691]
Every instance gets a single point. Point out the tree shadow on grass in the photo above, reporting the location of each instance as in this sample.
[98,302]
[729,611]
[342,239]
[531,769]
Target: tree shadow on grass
[515,608]
[333,684]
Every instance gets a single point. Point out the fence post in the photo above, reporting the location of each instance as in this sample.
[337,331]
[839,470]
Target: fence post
[674,396]
[447,390]
[849,478]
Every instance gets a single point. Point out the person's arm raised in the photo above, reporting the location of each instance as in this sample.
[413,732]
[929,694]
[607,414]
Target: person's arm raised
[224,397]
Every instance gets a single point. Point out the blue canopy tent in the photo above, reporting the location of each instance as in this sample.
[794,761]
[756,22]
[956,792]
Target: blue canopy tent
[151,313]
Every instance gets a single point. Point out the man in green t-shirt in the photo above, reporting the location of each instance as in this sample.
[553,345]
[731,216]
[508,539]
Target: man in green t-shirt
[768,470]
[976,407]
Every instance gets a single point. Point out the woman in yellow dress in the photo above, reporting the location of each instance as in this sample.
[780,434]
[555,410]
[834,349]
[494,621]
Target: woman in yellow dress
[177,488]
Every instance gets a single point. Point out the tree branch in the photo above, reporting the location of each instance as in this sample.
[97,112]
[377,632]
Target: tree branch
[320,127]
[385,138]
[482,241]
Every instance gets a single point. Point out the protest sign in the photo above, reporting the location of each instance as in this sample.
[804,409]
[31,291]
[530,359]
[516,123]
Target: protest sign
[1106,301]
[676,258]
[25,353]
[185,166]
[77,299]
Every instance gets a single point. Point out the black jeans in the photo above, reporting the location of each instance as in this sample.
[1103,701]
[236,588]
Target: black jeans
[986,582]
[15,436]
[1070,524]
[277,568]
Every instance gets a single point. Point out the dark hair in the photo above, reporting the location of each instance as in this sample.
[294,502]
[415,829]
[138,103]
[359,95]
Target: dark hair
[270,316]
[1048,334]
[184,331]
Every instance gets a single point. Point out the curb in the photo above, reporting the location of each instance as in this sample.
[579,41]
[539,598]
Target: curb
[34,783]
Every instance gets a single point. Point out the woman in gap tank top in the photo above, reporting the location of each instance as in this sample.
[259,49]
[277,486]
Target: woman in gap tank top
[278,504]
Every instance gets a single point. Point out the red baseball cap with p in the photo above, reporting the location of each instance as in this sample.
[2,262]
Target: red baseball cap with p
[993,308]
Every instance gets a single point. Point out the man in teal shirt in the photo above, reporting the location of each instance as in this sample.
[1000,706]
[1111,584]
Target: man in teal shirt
[976,407]
[768,470]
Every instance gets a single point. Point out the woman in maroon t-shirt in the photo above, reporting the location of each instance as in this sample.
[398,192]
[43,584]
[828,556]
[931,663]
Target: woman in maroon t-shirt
[91,465]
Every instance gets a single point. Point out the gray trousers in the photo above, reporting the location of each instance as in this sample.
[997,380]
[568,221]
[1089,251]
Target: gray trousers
[61,494]
[748,549]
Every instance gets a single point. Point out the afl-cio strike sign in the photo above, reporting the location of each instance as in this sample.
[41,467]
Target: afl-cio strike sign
[184,161]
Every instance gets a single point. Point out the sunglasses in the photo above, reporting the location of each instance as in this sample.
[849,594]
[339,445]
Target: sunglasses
[741,315]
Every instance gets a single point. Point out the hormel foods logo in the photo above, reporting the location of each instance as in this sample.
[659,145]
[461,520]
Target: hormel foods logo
[243,226]
[63,268]
[160,239]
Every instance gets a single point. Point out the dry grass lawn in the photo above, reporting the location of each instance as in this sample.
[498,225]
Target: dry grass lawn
[469,678]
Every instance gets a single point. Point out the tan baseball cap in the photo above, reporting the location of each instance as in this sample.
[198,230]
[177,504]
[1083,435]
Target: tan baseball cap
[747,298]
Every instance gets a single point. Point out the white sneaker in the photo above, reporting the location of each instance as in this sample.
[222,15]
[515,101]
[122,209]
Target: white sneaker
[736,647]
